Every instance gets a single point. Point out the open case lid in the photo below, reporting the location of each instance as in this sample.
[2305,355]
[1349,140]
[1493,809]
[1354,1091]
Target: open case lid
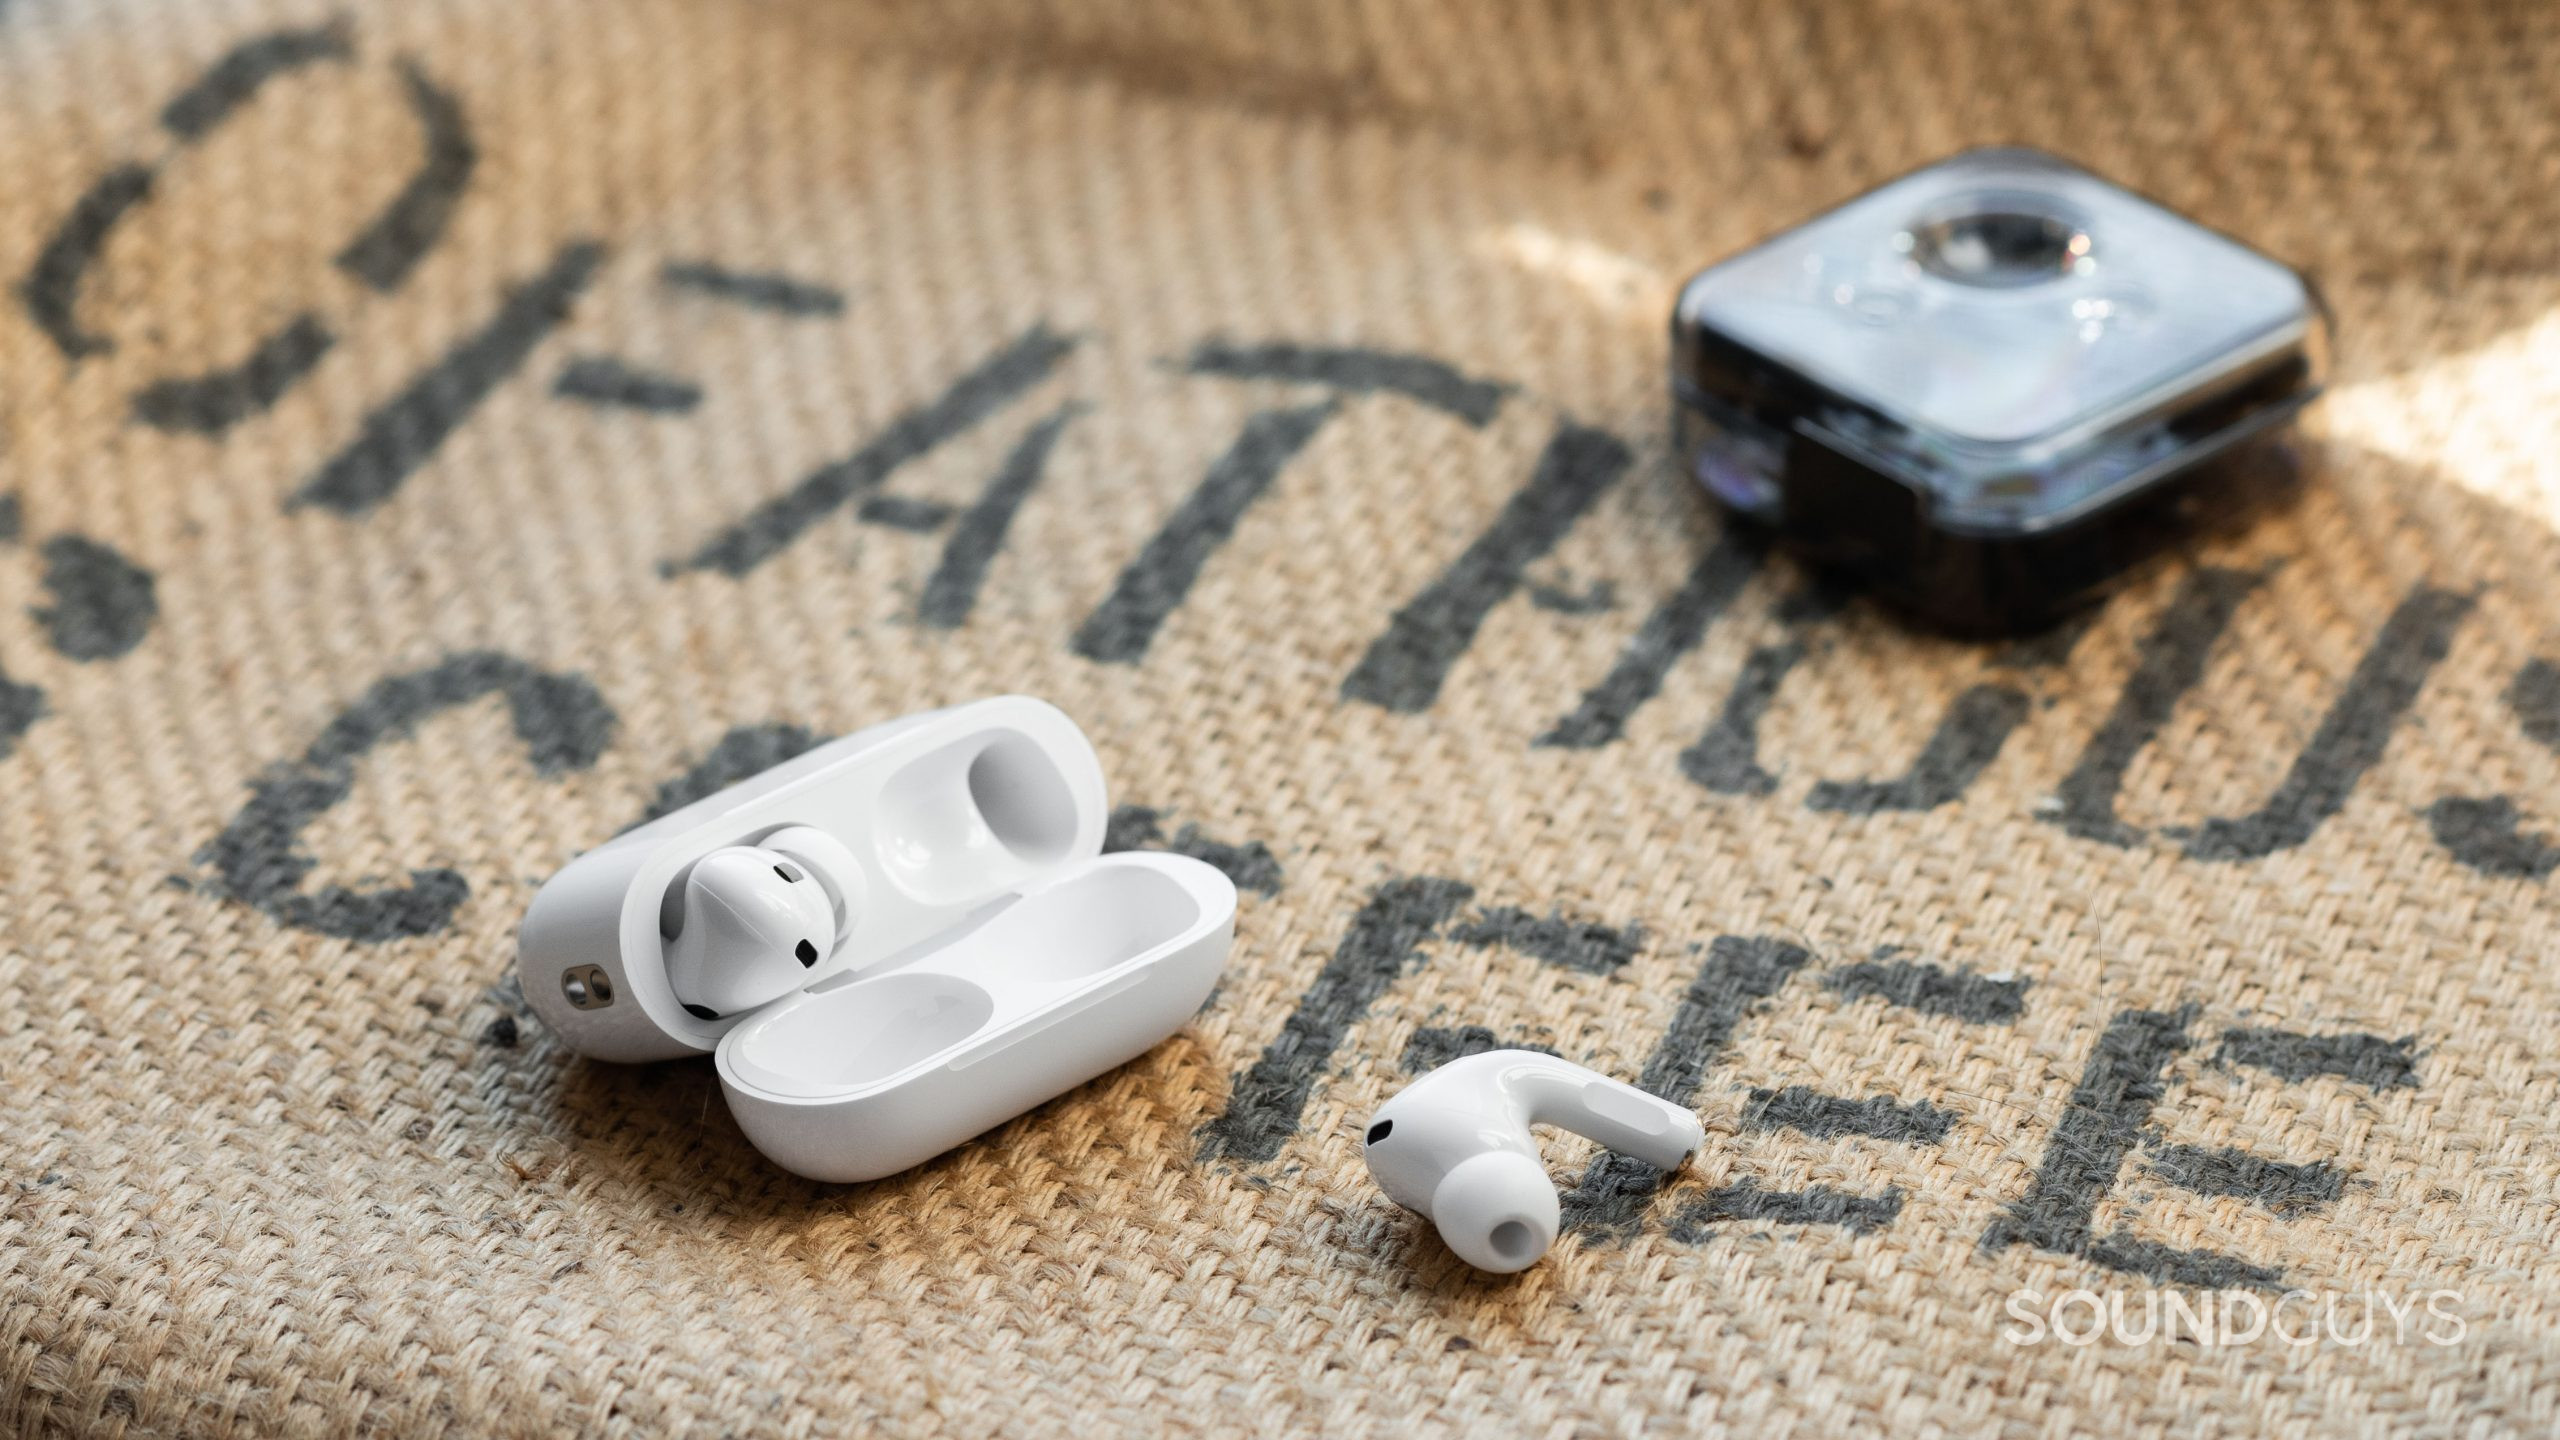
[866,1073]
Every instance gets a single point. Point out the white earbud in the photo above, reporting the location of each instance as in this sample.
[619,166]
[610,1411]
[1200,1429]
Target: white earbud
[1455,1146]
[754,920]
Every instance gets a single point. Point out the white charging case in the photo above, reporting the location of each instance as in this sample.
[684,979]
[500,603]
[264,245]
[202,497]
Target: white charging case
[992,956]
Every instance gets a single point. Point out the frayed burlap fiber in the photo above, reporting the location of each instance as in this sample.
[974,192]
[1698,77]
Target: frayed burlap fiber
[436,436]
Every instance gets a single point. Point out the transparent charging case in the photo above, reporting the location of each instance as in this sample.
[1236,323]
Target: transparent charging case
[1991,386]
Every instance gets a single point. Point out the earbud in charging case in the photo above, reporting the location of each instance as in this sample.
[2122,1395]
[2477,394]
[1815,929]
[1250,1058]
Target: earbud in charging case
[892,943]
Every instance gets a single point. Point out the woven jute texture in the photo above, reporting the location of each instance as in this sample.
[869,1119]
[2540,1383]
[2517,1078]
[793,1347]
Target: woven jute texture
[436,436]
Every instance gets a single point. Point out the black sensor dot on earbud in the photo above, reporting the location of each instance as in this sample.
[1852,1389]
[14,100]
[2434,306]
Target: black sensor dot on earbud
[789,875]
[807,952]
[702,1012]
[1380,1131]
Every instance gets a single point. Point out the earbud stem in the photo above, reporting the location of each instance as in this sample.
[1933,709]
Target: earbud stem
[1612,1112]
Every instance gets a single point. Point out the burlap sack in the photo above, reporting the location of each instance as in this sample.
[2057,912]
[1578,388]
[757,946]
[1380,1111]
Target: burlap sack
[439,435]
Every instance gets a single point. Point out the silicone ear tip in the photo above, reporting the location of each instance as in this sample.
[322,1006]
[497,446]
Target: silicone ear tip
[1497,1211]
